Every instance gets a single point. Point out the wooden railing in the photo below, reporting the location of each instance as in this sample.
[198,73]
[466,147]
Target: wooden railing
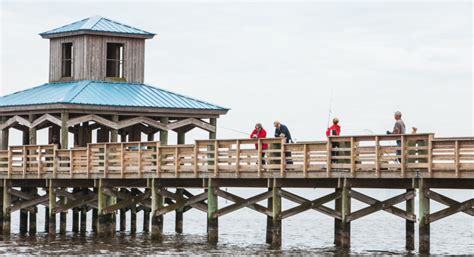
[374,156]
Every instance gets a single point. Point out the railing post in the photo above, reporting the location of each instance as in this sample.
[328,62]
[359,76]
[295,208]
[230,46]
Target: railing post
[377,156]
[283,158]
[353,164]
[430,154]
[305,160]
[259,158]
[237,158]
[403,155]
[329,157]
[196,159]
[456,158]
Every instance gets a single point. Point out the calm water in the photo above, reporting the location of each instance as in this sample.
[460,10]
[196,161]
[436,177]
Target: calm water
[243,232]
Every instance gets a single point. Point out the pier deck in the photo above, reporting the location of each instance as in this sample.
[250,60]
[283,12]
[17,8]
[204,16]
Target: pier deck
[113,178]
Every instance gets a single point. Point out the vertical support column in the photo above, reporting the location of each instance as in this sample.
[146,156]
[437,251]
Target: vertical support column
[1,209]
[24,215]
[83,214]
[269,220]
[5,135]
[424,212]
[6,207]
[410,225]
[212,206]
[94,215]
[46,214]
[75,215]
[213,122]
[64,130]
[164,133]
[146,216]
[156,204]
[52,207]
[276,211]
[133,214]
[337,222]
[123,216]
[104,227]
[179,214]
[62,215]
[344,230]
[32,227]
[114,132]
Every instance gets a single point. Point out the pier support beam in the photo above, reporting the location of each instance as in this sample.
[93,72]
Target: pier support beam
[6,207]
[410,225]
[424,212]
[268,238]
[156,204]
[32,225]
[212,206]
[164,133]
[105,220]
[276,214]
[343,228]
[52,206]
[179,214]
[62,216]
[4,136]
[24,212]
[95,215]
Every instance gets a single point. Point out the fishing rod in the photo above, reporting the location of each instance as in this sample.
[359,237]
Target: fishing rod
[234,130]
[330,106]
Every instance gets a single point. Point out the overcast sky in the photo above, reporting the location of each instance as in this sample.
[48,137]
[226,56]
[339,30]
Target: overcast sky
[280,61]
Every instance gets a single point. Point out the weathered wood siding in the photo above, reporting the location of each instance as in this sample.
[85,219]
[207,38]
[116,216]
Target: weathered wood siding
[89,57]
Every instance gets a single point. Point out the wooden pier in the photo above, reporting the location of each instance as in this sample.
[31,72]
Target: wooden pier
[111,179]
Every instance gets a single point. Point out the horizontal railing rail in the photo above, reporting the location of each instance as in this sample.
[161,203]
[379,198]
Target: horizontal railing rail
[367,156]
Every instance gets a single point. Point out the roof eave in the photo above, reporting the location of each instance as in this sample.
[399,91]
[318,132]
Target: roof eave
[48,35]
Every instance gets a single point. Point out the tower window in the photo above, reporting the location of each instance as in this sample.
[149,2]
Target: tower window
[67,52]
[114,60]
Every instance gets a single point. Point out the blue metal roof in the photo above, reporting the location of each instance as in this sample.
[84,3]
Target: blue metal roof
[91,92]
[98,24]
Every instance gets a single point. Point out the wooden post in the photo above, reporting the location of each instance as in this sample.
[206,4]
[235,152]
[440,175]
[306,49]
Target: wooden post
[276,213]
[164,133]
[212,206]
[343,227]
[46,214]
[410,225]
[123,219]
[4,137]
[62,215]
[269,220]
[179,214]
[1,210]
[83,215]
[133,216]
[146,216]
[32,226]
[95,214]
[52,206]
[213,122]
[337,222]
[24,216]
[156,204]
[64,130]
[6,207]
[114,132]
[424,212]
[75,215]
[104,227]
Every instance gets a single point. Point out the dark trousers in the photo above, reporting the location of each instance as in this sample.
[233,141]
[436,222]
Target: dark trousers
[399,152]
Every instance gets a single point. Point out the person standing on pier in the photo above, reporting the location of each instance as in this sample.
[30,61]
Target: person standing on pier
[283,131]
[398,129]
[259,132]
[334,130]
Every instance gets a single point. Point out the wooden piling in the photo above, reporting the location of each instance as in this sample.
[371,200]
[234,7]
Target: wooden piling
[337,222]
[212,206]
[424,225]
[104,227]
[6,207]
[1,210]
[276,215]
[32,224]
[410,225]
[94,216]
[146,216]
[62,216]
[343,227]
[24,212]
[156,204]
[268,238]
[179,214]
[83,218]
[52,206]
[133,219]
[123,219]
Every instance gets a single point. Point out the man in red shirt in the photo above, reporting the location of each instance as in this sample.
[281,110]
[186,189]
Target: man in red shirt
[335,129]
[259,132]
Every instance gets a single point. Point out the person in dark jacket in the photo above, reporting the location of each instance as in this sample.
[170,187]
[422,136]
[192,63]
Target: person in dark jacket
[259,132]
[283,131]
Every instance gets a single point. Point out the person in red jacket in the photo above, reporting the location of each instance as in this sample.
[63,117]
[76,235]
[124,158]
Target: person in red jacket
[259,132]
[335,129]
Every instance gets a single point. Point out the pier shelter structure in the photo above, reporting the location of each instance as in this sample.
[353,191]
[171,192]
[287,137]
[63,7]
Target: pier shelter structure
[120,172]
[96,84]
